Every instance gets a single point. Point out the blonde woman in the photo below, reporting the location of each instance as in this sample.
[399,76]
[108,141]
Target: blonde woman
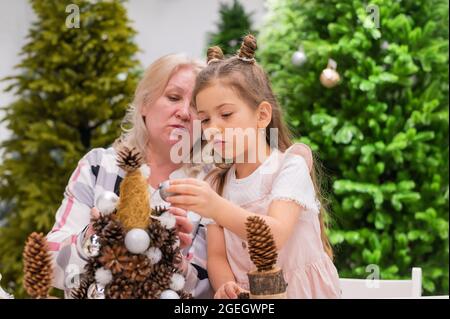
[159,114]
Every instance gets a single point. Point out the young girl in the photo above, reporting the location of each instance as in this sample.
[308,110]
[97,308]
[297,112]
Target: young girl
[235,93]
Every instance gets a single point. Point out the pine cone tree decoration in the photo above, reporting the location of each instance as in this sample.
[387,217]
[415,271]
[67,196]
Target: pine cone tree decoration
[185,295]
[129,159]
[37,266]
[114,258]
[261,245]
[149,289]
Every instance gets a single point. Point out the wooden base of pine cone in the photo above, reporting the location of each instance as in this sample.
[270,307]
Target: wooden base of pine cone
[267,284]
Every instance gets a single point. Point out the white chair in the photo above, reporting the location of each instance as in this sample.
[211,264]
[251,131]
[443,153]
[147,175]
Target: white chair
[383,289]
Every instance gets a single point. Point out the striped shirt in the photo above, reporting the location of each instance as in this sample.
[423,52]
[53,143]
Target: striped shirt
[96,173]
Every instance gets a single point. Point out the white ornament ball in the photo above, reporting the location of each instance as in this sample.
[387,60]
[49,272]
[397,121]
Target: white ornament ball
[137,241]
[169,294]
[167,220]
[154,254]
[177,282]
[106,202]
[298,58]
[103,276]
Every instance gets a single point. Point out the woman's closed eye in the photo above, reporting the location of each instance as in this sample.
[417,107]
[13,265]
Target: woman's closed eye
[174,98]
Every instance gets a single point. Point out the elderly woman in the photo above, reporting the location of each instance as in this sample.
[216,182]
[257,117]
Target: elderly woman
[159,115]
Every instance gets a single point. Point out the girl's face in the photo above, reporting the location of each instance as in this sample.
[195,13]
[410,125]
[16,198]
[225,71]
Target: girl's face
[171,116]
[227,121]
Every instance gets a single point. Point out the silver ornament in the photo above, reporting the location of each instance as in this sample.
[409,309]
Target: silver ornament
[298,58]
[163,190]
[96,291]
[106,202]
[91,246]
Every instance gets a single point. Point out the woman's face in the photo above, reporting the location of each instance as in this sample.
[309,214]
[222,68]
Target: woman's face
[171,116]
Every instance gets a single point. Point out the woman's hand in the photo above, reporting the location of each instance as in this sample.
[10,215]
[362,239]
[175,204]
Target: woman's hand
[183,225]
[229,290]
[195,195]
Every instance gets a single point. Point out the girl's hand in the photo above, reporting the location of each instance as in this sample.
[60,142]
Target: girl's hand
[194,195]
[229,290]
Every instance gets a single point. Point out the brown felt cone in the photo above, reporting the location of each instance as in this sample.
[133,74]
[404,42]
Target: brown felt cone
[38,272]
[134,205]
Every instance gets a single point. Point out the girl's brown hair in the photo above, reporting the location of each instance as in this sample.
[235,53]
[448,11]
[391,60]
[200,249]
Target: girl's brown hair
[249,81]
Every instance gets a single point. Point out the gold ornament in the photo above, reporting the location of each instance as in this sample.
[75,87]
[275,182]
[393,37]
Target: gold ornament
[330,77]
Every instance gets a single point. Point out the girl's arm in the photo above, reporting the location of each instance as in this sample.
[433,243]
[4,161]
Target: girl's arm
[219,270]
[281,218]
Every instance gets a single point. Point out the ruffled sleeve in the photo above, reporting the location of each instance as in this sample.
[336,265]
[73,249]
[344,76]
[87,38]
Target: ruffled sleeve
[294,183]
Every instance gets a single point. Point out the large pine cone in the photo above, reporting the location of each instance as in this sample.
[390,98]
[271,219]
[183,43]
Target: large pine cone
[261,245]
[37,266]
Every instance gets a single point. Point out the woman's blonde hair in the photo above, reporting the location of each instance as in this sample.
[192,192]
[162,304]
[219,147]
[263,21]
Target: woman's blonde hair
[149,89]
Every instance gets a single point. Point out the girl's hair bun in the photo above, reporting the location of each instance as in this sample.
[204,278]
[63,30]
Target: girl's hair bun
[214,54]
[248,48]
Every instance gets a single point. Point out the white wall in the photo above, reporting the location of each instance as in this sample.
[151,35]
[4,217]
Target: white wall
[163,26]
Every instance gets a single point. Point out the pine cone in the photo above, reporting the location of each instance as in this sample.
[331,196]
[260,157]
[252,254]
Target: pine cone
[113,233]
[129,159]
[81,291]
[100,223]
[162,274]
[37,266]
[114,258]
[158,211]
[137,269]
[149,289]
[119,288]
[185,295]
[158,234]
[261,245]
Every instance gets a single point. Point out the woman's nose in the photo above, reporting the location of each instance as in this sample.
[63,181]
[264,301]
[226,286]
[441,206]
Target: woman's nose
[183,111]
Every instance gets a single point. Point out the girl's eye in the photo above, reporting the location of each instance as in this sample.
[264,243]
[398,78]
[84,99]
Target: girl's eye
[226,114]
[204,121]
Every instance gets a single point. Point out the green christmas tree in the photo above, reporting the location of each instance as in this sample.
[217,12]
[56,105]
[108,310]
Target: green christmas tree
[381,133]
[76,78]
[233,25]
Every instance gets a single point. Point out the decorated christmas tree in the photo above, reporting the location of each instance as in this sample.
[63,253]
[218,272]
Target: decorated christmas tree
[233,25]
[72,89]
[366,86]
